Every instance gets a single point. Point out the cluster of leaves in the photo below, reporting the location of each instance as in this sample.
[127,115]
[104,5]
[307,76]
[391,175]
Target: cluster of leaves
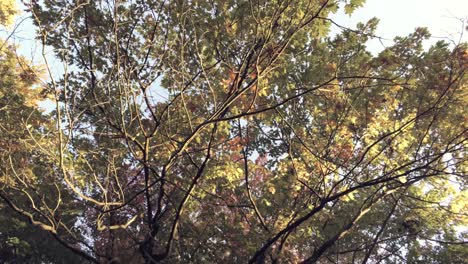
[238,131]
[8,11]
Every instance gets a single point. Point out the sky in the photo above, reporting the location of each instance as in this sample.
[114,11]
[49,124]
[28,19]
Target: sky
[444,18]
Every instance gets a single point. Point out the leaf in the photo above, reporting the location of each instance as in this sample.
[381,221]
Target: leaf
[8,10]
[272,189]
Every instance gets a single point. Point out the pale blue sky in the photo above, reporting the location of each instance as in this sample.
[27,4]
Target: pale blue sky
[444,18]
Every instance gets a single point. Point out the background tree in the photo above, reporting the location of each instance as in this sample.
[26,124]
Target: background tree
[239,131]
[24,184]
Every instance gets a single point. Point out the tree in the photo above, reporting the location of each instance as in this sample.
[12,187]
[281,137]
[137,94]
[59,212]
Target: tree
[22,169]
[239,131]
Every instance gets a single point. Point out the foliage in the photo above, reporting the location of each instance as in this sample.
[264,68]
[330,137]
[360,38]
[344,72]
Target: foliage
[7,12]
[238,131]
[23,169]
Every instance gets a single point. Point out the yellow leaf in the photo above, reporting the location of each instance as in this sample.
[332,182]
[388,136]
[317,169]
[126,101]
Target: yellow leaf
[396,88]
[348,197]
[272,189]
[8,11]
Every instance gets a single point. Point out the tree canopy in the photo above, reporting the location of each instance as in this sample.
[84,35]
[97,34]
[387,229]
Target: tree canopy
[230,131]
